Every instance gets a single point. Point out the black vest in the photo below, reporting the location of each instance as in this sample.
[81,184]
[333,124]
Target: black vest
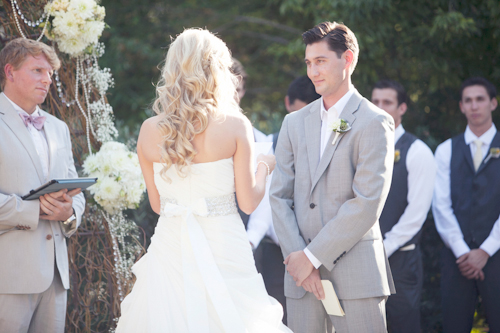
[475,196]
[397,200]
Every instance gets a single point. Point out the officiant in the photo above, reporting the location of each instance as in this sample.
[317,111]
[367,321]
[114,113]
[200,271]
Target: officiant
[34,148]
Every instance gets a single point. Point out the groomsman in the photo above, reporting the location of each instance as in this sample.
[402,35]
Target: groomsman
[405,211]
[466,210]
[34,147]
[268,256]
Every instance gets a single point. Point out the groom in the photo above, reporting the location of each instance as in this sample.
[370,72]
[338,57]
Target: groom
[328,192]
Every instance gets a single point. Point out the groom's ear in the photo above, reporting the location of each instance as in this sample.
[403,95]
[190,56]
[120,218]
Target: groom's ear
[348,56]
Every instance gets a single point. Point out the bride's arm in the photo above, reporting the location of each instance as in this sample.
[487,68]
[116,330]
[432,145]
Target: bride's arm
[148,151]
[250,187]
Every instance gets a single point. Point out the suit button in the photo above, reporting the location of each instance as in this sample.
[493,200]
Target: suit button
[49,237]
[312,205]
[335,261]
[309,239]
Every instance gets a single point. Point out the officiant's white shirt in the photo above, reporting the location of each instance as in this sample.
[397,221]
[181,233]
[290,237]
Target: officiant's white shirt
[327,118]
[446,223]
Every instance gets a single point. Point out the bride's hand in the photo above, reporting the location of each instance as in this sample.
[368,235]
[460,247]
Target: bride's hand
[270,160]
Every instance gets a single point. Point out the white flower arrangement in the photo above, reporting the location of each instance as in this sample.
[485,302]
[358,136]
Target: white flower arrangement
[339,126]
[74,24]
[120,183]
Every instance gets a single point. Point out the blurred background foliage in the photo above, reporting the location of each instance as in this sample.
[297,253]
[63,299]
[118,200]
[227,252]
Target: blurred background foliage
[430,46]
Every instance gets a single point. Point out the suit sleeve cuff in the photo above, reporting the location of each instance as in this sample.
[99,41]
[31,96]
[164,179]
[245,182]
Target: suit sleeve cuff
[459,248]
[490,246]
[316,263]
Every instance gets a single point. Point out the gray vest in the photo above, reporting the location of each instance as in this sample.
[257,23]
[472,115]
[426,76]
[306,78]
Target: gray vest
[475,196]
[397,200]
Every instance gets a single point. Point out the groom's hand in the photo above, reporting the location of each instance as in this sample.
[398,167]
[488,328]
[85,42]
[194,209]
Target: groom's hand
[313,284]
[298,266]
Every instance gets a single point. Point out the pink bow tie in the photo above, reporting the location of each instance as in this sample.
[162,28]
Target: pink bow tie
[36,121]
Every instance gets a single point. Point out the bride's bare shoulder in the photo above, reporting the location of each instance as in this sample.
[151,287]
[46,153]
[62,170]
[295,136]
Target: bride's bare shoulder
[236,122]
[150,134]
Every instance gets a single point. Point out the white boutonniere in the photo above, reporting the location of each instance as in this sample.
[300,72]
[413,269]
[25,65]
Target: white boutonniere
[339,126]
[397,156]
[494,153]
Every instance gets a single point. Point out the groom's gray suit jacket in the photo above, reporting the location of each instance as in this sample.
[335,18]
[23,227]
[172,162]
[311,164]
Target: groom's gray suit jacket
[332,206]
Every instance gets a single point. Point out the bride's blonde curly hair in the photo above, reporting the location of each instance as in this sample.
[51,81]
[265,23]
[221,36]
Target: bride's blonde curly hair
[196,84]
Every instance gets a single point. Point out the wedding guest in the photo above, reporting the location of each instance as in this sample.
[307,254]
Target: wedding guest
[34,148]
[467,212]
[238,70]
[334,164]
[268,256]
[405,211]
[300,93]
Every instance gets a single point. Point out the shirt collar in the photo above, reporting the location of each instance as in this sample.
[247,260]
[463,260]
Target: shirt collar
[20,110]
[398,133]
[486,138]
[339,106]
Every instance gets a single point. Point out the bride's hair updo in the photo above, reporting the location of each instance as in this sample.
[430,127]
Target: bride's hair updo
[196,84]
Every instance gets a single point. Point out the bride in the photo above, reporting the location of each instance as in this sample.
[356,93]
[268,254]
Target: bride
[199,274]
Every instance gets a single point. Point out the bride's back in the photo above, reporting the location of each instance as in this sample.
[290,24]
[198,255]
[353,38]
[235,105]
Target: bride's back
[199,120]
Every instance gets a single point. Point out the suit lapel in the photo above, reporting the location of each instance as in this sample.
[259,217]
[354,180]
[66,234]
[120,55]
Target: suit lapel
[348,115]
[495,143]
[15,123]
[50,134]
[313,137]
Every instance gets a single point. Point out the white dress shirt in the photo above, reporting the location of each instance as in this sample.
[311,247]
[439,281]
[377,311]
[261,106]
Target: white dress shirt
[260,222]
[421,169]
[446,223]
[38,137]
[327,118]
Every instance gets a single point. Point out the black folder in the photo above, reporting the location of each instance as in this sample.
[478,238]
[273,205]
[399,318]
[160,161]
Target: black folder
[58,184]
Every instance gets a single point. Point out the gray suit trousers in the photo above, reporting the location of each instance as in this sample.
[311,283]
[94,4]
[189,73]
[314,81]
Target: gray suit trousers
[35,313]
[365,315]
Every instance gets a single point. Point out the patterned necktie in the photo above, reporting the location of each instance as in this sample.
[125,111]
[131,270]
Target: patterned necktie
[478,156]
[36,121]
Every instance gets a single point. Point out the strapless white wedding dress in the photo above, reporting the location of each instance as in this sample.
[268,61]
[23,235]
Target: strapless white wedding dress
[199,273]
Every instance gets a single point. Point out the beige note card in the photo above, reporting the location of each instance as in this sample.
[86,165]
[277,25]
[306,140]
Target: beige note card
[331,301]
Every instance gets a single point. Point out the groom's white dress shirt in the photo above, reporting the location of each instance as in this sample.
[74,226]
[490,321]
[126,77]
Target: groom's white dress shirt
[327,118]
[446,222]
[38,137]
[421,169]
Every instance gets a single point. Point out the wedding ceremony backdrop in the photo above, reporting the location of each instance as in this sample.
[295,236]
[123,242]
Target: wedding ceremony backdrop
[110,52]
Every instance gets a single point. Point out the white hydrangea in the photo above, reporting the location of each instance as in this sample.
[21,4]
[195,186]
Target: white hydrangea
[120,182]
[76,24]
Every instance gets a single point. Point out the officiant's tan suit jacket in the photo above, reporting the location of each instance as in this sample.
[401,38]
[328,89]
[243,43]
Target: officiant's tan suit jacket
[332,205]
[29,247]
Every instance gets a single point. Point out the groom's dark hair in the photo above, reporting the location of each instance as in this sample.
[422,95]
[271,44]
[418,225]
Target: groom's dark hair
[338,36]
[479,81]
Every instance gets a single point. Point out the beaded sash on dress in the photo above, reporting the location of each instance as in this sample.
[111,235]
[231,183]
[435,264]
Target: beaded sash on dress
[208,207]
